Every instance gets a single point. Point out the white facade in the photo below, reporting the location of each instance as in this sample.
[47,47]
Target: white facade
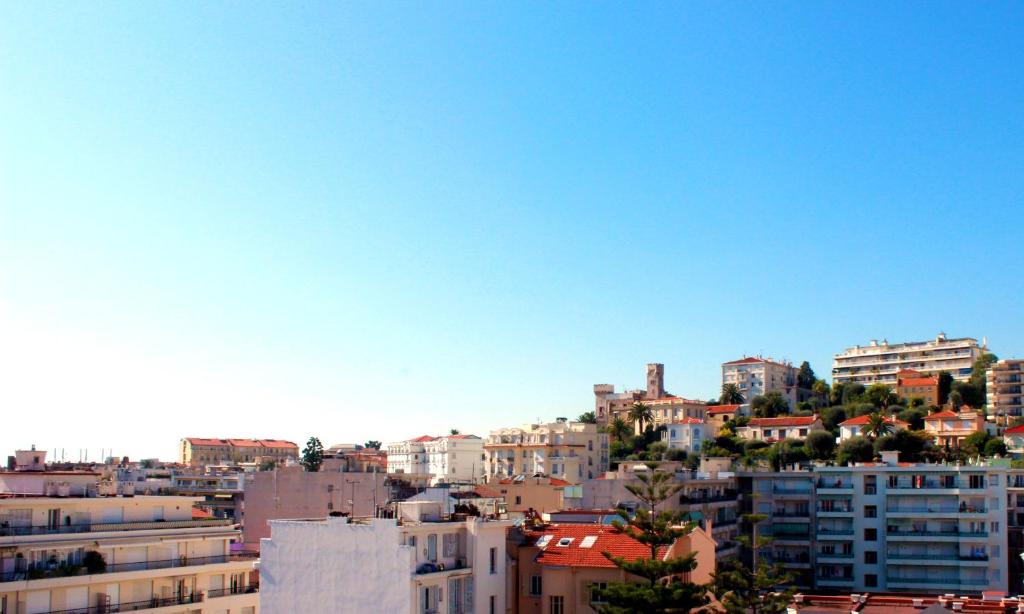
[456,459]
[155,557]
[408,456]
[572,451]
[759,376]
[424,566]
[687,435]
[880,362]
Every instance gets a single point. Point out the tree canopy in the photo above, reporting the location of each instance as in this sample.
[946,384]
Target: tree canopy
[313,454]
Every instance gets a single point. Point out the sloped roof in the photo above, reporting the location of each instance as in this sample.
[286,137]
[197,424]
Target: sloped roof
[606,539]
[861,420]
[723,409]
[942,415]
[1014,430]
[687,421]
[918,381]
[784,421]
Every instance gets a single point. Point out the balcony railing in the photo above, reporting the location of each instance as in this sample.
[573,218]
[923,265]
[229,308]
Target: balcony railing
[835,555]
[939,557]
[822,483]
[6,531]
[940,580]
[791,514]
[784,490]
[131,606]
[926,533]
[828,531]
[57,570]
[236,590]
[968,509]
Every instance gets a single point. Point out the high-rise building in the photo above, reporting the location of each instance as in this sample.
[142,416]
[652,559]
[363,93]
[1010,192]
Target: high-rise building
[1005,389]
[756,376]
[880,363]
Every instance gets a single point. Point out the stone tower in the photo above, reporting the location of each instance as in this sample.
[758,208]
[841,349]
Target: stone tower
[655,380]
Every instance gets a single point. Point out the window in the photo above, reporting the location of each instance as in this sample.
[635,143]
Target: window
[536,585]
[870,535]
[767,433]
[493,607]
[803,432]
[870,511]
[556,604]
[870,579]
[596,598]
[494,561]
[519,500]
[870,484]
[870,557]
[994,527]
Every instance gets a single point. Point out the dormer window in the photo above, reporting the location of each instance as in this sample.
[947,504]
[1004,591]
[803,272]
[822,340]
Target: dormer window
[565,541]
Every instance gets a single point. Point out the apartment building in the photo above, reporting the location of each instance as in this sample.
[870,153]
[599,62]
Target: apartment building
[950,428]
[1005,390]
[421,562]
[666,407]
[220,492]
[524,493]
[783,427]
[912,384]
[889,526]
[291,492]
[756,376]
[571,451]
[881,362]
[85,554]
[686,434]
[558,565]
[449,459]
[200,452]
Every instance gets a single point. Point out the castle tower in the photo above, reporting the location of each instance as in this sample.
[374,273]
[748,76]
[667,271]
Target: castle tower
[655,380]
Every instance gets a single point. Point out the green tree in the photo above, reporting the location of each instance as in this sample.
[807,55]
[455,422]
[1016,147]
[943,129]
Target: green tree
[880,395]
[995,447]
[914,417]
[805,377]
[641,414]
[786,452]
[860,409]
[975,443]
[373,444]
[820,445]
[454,432]
[268,465]
[587,417]
[915,402]
[852,393]
[313,454]
[878,425]
[945,386]
[731,395]
[661,589]
[912,446]
[767,589]
[956,398]
[769,405]
[855,450]
[618,429]
[821,390]
[832,416]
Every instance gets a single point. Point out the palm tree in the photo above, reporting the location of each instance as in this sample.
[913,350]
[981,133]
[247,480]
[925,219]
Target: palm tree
[455,432]
[618,429]
[878,425]
[731,395]
[641,413]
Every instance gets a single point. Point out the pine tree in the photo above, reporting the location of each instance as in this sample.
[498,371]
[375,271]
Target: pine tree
[313,454]
[661,589]
[762,588]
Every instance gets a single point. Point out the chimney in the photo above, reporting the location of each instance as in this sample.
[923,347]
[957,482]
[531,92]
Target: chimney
[890,458]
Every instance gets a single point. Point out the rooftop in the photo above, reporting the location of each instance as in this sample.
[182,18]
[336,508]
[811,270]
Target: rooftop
[784,421]
[582,545]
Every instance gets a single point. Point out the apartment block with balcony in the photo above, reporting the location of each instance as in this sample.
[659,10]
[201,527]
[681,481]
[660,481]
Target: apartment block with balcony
[117,554]
[1005,390]
[881,362]
[572,451]
[902,527]
[785,499]
[756,376]
[421,562]
[448,459]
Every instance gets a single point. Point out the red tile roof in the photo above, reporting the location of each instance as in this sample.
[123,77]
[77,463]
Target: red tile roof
[422,438]
[860,420]
[723,409]
[784,421]
[200,514]
[745,361]
[942,415]
[241,443]
[1013,430]
[485,491]
[277,443]
[918,382]
[909,373]
[609,540]
[687,421]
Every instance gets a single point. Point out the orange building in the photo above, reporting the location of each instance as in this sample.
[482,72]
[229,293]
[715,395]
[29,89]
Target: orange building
[950,428]
[914,384]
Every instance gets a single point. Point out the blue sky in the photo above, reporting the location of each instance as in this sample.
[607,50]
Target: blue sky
[382,219]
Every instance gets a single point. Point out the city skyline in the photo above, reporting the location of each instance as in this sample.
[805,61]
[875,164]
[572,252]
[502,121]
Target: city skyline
[375,222]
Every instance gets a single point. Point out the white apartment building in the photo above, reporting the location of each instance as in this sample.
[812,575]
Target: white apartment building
[452,459]
[890,527]
[456,459]
[687,434]
[758,376]
[117,554]
[572,451]
[880,362]
[1005,388]
[420,563]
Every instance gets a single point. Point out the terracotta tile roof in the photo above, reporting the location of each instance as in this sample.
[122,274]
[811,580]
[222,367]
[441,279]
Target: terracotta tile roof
[422,439]
[200,514]
[277,443]
[942,415]
[745,361]
[687,421]
[784,421]
[722,409]
[607,539]
[485,491]
[244,443]
[202,441]
[860,420]
[241,443]
[909,373]
[918,382]
[1013,430]
[459,436]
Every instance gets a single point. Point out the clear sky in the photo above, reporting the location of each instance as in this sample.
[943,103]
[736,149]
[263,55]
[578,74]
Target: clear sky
[380,220]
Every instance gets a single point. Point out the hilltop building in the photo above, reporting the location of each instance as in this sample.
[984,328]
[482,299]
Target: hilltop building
[880,363]
[200,452]
[1005,390]
[449,459]
[755,376]
[912,384]
[571,451]
[666,407]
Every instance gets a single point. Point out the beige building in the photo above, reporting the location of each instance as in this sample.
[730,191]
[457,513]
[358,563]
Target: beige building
[666,407]
[777,429]
[1005,389]
[756,376]
[879,363]
[523,493]
[116,554]
[572,451]
[200,452]
[951,428]
[912,384]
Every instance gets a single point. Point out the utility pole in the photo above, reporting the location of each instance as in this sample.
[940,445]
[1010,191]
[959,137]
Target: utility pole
[352,501]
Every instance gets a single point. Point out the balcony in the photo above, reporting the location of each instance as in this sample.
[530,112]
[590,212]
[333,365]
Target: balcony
[931,581]
[828,556]
[833,486]
[910,534]
[698,498]
[834,580]
[923,558]
[936,510]
[830,532]
[7,531]
[235,590]
[791,491]
[797,514]
[131,606]
[60,570]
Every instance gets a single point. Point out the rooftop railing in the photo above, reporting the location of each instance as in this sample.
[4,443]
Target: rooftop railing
[131,606]
[55,570]
[9,531]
